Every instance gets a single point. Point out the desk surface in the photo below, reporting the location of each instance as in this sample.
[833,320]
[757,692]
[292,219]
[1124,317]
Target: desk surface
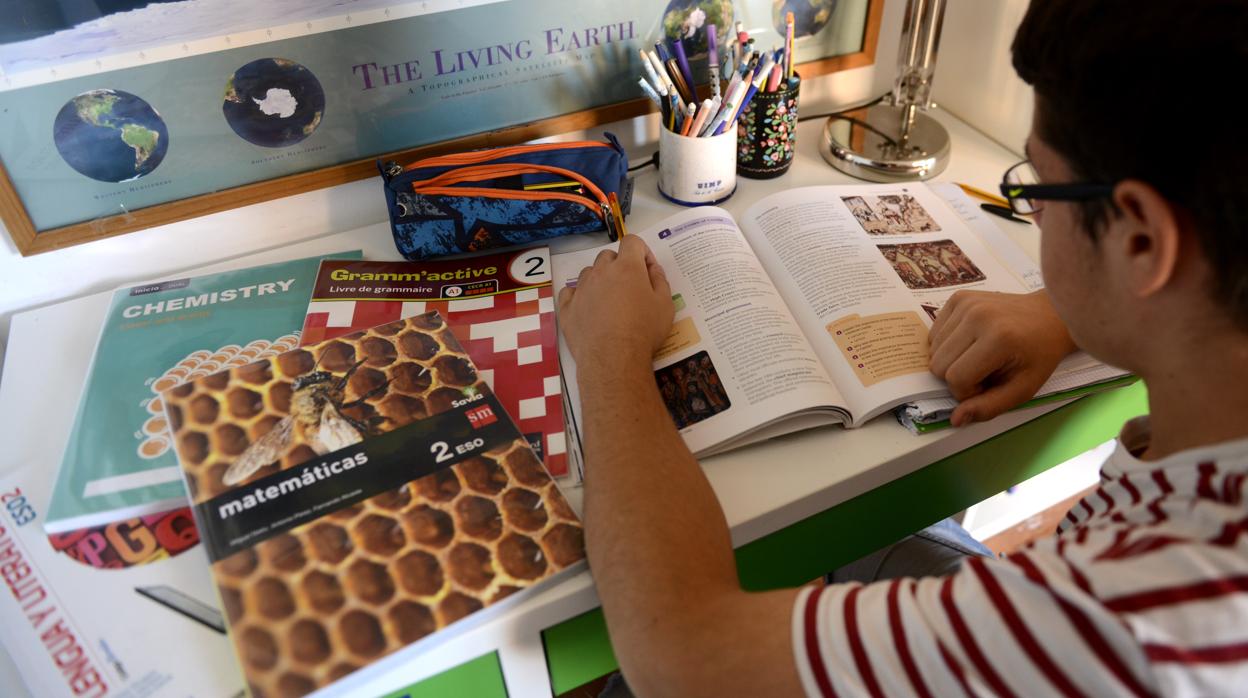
[763,489]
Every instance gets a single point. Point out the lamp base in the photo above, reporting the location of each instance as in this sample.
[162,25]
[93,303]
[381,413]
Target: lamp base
[870,145]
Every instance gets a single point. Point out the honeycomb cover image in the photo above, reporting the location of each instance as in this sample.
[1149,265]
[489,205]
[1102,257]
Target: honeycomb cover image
[501,307]
[402,505]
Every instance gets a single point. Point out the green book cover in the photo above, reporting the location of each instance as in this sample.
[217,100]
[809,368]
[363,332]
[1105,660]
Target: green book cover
[119,462]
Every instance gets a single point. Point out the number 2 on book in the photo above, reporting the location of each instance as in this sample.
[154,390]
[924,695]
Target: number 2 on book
[441,450]
[536,269]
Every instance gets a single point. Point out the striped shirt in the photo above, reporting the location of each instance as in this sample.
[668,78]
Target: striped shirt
[1141,592]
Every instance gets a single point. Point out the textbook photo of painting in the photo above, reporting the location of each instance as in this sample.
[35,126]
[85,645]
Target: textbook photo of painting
[924,265]
[692,390]
[273,102]
[809,16]
[687,20]
[110,135]
[891,214]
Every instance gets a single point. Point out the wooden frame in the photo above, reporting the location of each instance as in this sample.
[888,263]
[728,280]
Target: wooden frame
[29,241]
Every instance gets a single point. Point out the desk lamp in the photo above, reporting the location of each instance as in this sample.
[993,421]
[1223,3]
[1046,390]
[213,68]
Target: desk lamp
[894,141]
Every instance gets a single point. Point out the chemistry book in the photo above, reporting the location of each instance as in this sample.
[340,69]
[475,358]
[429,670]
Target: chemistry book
[501,308]
[815,309]
[118,463]
[361,499]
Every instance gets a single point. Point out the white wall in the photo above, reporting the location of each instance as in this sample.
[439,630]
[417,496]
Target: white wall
[975,80]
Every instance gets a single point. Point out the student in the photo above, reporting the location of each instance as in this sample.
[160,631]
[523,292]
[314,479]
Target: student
[1144,589]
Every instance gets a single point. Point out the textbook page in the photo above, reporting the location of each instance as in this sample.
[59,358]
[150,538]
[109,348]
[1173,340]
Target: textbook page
[736,361]
[865,270]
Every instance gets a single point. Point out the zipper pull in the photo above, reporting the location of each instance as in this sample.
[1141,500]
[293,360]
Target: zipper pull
[393,169]
[609,220]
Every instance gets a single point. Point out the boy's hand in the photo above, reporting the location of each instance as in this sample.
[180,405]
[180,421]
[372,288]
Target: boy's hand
[620,311]
[995,350]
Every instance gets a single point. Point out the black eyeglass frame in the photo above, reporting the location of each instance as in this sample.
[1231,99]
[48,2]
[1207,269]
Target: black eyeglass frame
[1074,191]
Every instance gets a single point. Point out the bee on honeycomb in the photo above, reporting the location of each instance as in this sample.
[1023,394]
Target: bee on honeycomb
[310,605]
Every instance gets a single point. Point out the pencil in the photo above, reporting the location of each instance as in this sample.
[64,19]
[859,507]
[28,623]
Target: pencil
[788,45]
[617,214]
[981,194]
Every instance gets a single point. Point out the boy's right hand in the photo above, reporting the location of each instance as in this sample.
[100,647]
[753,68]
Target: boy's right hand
[995,350]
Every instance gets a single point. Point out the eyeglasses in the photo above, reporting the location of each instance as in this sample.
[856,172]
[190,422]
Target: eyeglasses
[1022,189]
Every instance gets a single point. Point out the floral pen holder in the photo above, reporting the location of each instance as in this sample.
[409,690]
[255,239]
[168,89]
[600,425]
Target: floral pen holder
[767,133]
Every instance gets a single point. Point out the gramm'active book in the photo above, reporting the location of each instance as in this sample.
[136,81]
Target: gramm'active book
[118,463]
[501,308]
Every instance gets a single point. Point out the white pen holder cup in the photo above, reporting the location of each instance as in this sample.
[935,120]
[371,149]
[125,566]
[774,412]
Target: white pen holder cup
[697,171]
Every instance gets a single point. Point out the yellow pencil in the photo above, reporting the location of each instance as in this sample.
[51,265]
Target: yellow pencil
[981,194]
[617,214]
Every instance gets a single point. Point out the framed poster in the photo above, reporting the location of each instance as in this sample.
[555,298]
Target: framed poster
[149,112]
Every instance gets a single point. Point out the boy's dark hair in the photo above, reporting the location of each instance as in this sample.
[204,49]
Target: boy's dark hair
[1131,89]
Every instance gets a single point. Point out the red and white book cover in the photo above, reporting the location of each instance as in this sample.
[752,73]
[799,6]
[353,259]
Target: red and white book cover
[500,306]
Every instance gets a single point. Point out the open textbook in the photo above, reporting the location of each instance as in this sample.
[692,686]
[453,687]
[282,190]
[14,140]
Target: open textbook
[814,308]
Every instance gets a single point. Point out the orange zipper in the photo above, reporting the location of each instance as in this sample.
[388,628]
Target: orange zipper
[469,174]
[494,153]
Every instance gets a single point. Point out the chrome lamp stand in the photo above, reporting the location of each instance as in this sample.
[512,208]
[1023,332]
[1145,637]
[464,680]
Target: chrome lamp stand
[895,141]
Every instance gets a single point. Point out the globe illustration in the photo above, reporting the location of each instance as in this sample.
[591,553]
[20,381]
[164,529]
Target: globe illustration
[809,16]
[687,20]
[110,135]
[273,102]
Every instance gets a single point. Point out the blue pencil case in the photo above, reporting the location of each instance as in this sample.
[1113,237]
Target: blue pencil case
[499,197]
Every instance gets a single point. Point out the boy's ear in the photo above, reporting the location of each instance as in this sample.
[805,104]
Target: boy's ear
[1149,236]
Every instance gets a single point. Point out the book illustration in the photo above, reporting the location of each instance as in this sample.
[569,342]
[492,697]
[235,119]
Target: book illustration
[891,214]
[153,435]
[924,265]
[131,542]
[879,347]
[184,604]
[692,390]
[362,573]
[500,307]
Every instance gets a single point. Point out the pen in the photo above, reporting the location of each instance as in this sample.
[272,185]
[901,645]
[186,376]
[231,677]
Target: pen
[773,81]
[688,125]
[659,85]
[729,109]
[1004,212]
[617,213]
[700,120]
[673,70]
[654,96]
[682,62]
[981,194]
[661,49]
[749,94]
[661,73]
[788,45]
[712,47]
[711,111]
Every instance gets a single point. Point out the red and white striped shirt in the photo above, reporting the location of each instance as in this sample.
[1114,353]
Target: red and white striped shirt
[1143,591]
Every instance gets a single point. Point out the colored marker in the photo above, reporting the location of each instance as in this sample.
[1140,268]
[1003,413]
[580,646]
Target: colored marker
[682,61]
[712,47]
[661,49]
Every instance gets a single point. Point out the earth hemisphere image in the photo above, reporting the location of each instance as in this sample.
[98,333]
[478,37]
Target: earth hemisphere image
[110,135]
[273,102]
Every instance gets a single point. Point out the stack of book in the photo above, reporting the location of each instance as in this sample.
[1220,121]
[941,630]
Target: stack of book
[370,453]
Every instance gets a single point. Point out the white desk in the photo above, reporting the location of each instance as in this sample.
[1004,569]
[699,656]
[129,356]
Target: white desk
[762,488]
